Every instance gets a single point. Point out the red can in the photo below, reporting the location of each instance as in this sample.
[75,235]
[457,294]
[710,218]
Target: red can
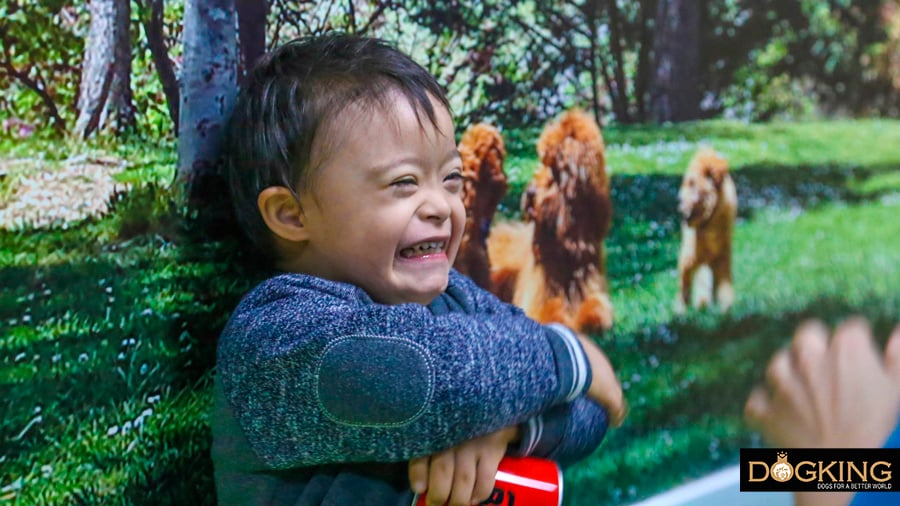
[522,481]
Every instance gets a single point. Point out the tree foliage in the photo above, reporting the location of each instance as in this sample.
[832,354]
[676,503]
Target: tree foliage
[41,45]
[514,62]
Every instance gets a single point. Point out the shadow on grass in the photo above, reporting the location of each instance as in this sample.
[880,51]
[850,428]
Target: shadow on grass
[106,328]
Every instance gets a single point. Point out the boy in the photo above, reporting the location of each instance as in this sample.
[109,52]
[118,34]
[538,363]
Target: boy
[368,348]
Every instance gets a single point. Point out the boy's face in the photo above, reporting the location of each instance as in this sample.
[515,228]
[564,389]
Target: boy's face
[384,211]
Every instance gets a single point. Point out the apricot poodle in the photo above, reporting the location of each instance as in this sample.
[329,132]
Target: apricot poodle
[484,185]
[554,265]
[708,206]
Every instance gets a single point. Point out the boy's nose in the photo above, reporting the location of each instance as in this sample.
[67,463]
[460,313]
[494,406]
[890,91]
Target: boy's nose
[436,206]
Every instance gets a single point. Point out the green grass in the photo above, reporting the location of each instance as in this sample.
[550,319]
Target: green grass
[107,329]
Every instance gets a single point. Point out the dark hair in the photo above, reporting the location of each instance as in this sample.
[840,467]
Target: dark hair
[290,95]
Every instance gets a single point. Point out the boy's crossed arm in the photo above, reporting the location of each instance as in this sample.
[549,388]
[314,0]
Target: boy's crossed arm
[343,389]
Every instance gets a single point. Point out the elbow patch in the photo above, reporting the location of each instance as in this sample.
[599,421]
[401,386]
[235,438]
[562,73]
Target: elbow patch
[374,381]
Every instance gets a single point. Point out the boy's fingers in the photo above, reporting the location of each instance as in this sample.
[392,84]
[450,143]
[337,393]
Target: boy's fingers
[484,480]
[617,418]
[418,474]
[440,478]
[464,474]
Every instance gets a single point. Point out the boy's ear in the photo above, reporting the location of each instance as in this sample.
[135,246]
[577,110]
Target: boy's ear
[282,213]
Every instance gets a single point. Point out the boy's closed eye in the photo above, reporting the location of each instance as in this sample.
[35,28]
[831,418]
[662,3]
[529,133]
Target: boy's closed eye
[454,181]
[404,181]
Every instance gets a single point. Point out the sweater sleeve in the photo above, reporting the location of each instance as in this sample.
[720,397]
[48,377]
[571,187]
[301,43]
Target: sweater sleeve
[565,433]
[316,374]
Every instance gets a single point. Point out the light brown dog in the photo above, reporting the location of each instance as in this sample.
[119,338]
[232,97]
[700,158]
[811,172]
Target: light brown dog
[553,266]
[484,185]
[708,207]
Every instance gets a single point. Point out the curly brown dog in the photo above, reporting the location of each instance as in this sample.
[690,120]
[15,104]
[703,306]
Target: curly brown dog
[708,206]
[568,214]
[484,185]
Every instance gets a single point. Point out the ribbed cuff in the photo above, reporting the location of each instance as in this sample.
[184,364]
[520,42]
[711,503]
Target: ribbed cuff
[573,369]
[531,431]
[542,434]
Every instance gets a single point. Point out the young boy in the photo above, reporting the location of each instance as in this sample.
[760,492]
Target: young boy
[367,349]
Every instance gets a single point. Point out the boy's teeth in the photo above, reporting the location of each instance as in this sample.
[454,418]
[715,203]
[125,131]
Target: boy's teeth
[422,249]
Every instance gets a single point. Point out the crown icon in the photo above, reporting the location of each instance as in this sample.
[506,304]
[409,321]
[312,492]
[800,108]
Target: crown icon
[782,456]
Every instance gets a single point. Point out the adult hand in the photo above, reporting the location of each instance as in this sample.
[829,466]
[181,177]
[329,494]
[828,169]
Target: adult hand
[829,394]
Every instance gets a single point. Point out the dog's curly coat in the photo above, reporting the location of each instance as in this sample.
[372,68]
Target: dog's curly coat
[553,266]
[484,184]
[708,207]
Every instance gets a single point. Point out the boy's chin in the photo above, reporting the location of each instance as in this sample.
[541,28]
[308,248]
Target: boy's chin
[426,291]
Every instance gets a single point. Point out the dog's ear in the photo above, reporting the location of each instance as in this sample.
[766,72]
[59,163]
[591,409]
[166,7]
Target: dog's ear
[716,172]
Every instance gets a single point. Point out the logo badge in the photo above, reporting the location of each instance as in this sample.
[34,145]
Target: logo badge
[781,470]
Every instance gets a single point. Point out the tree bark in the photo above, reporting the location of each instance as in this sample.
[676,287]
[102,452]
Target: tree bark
[642,79]
[675,95]
[251,16]
[208,89]
[153,28]
[105,99]
[620,93]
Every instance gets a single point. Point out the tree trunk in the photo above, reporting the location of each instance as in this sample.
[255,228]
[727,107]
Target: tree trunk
[644,65]
[675,95]
[208,89]
[620,94]
[251,32]
[105,99]
[591,18]
[153,27]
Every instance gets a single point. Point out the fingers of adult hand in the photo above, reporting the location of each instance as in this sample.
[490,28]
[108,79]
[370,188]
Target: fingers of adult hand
[808,349]
[464,472]
[780,373]
[892,354]
[418,474]
[440,478]
[757,408]
[852,338]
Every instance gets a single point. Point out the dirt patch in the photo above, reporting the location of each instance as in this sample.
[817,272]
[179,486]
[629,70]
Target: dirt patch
[43,193]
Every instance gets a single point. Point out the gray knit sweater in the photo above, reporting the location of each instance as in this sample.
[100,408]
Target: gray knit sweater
[323,395]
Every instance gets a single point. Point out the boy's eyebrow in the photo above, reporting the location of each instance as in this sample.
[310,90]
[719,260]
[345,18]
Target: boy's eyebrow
[415,160]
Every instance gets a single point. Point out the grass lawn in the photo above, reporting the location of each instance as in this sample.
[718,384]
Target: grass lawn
[107,328]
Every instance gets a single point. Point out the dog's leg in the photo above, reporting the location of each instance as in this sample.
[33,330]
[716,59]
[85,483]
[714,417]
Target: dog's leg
[595,313]
[687,265]
[724,290]
[686,285]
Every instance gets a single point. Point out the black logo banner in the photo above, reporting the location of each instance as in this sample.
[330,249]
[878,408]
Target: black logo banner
[829,469]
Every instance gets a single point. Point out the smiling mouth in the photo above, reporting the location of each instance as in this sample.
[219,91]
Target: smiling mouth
[423,249]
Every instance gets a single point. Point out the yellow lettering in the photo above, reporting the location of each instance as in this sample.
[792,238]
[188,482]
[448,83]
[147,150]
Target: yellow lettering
[862,475]
[760,464]
[810,473]
[884,475]
[826,469]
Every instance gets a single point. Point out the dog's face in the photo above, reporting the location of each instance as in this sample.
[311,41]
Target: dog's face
[701,187]
[484,182]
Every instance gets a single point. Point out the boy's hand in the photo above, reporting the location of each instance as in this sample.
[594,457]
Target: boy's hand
[462,475]
[605,388]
